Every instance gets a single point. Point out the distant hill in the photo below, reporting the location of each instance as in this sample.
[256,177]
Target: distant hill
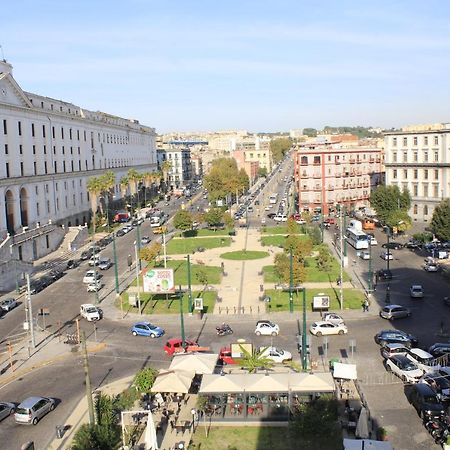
[361,132]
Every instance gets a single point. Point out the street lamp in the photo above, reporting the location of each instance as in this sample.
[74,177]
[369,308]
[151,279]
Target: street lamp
[370,274]
[291,283]
[183,334]
[387,300]
[188,257]
[137,277]
[304,336]
[116,269]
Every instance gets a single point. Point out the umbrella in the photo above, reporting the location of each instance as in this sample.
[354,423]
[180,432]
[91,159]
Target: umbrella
[150,439]
[201,363]
[362,427]
[173,381]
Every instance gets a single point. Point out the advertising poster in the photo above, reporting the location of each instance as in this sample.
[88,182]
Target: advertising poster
[159,281]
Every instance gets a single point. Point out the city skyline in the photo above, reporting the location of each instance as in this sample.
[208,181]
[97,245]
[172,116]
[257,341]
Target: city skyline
[258,66]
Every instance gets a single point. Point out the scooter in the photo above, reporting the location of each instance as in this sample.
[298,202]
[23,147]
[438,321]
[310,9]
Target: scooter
[224,330]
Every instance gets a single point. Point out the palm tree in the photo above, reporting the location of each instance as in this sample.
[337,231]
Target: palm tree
[124,184]
[252,361]
[133,178]
[108,180]
[165,168]
[94,187]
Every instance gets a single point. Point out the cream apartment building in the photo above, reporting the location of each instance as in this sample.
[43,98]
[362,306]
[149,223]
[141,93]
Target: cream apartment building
[418,159]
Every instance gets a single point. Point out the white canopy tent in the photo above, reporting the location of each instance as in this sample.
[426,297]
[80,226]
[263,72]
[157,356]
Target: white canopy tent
[345,371]
[173,381]
[200,363]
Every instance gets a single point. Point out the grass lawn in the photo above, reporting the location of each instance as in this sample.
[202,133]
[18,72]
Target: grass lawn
[276,240]
[261,438]
[205,232]
[280,300]
[279,229]
[188,245]
[213,273]
[157,304]
[313,274]
[244,254]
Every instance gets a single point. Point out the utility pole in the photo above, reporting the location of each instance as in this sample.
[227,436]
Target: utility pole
[189,283]
[164,250]
[388,250]
[137,277]
[344,211]
[341,252]
[30,313]
[183,335]
[138,243]
[291,283]
[304,336]
[116,268]
[370,274]
[87,380]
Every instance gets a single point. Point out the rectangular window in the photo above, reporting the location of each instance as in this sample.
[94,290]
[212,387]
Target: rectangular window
[56,167]
[84,132]
[21,169]
[43,131]
[37,209]
[73,199]
[47,240]
[79,165]
[405,174]
[56,187]
[425,140]
[34,149]
[65,201]
[6,149]
[436,140]
[415,140]
[48,206]
[425,190]
[45,167]
[425,156]
[405,141]
[436,174]
[36,189]
[394,142]
[19,127]
[416,158]
[57,204]
[425,174]
[436,156]
[46,188]
[416,174]
[53,132]
[71,165]
[70,133]
[20,149]
[405,156]
[62,133]
[64,166]
[5,127]
[415,190]
[63,150]
[71,150]
[45,149]
[7,170]
[435,190]
[394,157]
[34,168]
[54,149]
[32,130]
[78,135]
[394,173]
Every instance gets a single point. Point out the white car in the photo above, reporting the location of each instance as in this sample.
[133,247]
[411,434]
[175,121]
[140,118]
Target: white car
[387,256]
[364,255]
[90,312]
[431,267]
[326,328]
[404,368]
[275,354]
[266,328]
[416,291]
[94,260]
[104,263]
[94,287]
[423,360]
[90,276]
[333,318]
[373,241]
[146,240]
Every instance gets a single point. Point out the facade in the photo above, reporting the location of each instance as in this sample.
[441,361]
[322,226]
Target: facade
[330,174]
[180,173]
[418,159]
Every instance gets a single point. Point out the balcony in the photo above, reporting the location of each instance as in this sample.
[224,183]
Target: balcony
[317,175]
[330,188]
[352,161]
[371,160]
[337,162]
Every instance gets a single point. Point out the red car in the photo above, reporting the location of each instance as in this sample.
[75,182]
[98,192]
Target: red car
[330,221]
[176,346]
[225,356]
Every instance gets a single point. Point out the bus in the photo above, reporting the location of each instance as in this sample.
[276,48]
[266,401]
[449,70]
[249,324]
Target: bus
[273,199]
[357,239]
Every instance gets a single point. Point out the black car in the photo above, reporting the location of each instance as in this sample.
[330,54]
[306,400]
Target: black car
[384,274]
[56,274]
[439,383]
[120,233]
[439,349]
[396,337]
[392,245]
[46,280]
[36,286]
[72,263]
[86,255]
[271,215]
[412,245]
[425,401]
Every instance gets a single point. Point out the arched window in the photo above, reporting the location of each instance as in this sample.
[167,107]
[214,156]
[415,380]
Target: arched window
[415,209]
[425,210]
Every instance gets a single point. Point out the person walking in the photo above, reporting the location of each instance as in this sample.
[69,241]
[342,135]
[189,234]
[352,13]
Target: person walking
[366,305]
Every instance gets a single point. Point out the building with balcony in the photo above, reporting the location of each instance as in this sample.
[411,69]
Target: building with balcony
[180,172]
[418,159]
[329,174]
[48,150]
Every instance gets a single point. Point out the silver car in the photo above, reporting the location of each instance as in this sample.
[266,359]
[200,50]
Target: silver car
[6,409]
[392,312]
[31,410]
[8,304]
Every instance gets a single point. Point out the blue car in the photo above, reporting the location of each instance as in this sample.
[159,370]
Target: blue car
[146,329]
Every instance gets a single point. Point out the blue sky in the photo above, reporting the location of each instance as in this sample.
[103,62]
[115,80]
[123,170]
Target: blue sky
[255,65]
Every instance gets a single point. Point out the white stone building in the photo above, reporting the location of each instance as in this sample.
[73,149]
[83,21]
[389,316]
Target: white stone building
[48,150]
[418,158]
[180,173]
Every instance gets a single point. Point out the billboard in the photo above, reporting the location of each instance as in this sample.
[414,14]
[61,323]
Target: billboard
[159,281]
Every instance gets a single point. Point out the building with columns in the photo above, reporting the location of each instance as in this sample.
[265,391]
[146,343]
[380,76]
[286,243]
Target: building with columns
[418,159]
[329,174]
[48,150]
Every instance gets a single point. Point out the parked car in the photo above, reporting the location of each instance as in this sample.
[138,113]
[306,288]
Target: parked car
[91,312]
[225,356]
[387,256]
[424,360]
[6,409]
[425,401]
[94,286]
[431,268]
[145,240]
[384,274]
[120,233]
[392,312]
[31,410]
[439,349]
[364,255]
[86,255]
[416,291]
[439,383]
[8,304]
[333,318]
[373,239]
[327,328]
[389,350]
[91,276]
[404,368]
[266,328]
[72,264]
[275,354]
[146,329]
[392,245]
[413,245]
[56,274]
[36,286]
[396,337]
[104,263]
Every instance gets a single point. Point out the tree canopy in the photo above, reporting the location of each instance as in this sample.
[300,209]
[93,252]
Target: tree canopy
[392,205]
[279,147]
[213,217]
[440,222]
[183,220]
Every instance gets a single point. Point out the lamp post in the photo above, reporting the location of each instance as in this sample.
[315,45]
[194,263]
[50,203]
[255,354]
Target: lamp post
[388,252]
[97,284]
[304,336]
[291,283]
[370,274]
[188,257]
[137,277]
[344,210]
[15,268]
[183,335]
[116,269]
[342,243]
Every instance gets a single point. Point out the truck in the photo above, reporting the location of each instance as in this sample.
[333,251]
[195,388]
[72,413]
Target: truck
[121,217]
[176,346]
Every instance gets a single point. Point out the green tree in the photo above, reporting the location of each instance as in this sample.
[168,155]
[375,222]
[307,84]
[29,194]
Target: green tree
[262,172]
[279,147]
[440,222]
[214,217]
[324,259]
[183,220]
[151,252]
[281,265]
[202,276]
[282,269]
[252,361]
[387,201]
[165,169]
[144,379]
[310,132]
[292,227]
[94,186]
[228,220]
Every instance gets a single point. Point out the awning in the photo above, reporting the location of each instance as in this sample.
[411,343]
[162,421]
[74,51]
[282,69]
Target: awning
[345,371]
[201,363]
[222,383]
[260,382]
[306,382]
[173,381]
[366,444]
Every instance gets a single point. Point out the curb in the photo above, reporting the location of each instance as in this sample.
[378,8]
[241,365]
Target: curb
[47,362]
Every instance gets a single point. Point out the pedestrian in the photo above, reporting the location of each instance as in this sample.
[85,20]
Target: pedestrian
[363,305]
[366,305]
[172,424]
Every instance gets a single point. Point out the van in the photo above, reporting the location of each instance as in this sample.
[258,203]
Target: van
[31,410]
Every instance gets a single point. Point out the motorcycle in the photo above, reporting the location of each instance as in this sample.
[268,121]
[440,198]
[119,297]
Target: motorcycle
[224,330]
[437,428]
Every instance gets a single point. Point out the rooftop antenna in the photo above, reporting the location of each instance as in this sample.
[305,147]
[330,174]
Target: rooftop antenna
[3,55]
